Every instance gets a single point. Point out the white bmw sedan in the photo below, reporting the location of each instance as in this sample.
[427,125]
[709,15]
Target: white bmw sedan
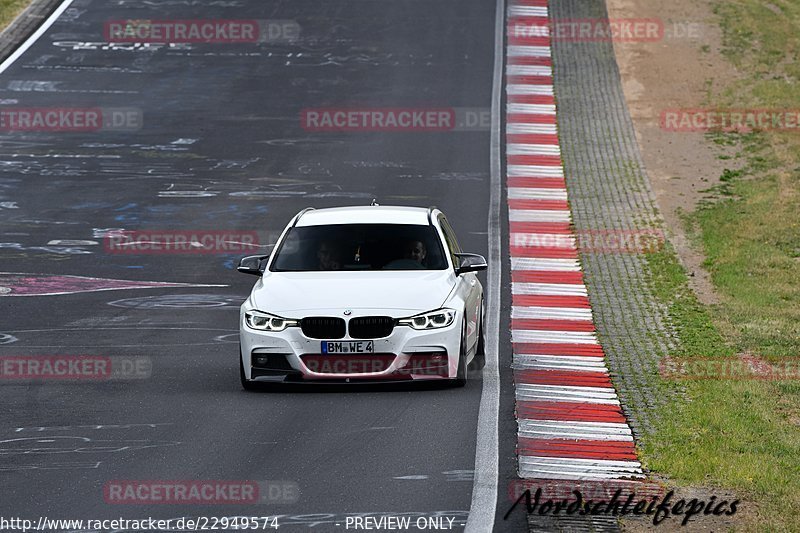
[363,294]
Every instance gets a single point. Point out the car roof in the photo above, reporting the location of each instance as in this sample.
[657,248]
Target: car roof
[372,214]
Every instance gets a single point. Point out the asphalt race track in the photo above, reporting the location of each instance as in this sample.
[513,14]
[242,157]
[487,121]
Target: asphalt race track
[221,147]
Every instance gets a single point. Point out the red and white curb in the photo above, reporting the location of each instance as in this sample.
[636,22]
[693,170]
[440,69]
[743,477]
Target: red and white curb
[571,425]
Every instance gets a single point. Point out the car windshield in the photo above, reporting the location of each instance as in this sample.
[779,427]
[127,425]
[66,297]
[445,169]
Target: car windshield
[360,247]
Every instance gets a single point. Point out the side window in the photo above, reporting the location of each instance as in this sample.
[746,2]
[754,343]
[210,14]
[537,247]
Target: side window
[450,238]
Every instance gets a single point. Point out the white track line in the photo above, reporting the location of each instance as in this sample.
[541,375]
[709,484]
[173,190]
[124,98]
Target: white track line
[527,11]
[528,51]
[526,128]
[535,215]
[545,264]
[483,505]
[536,170]
[569,462]
[547,240]
[551,313]
[522,128]
[589,469]
[533,149]
[552,337]
[559,362]
[555,289]
[555,429]
[546,90]
[602,395]
[532,109]
[529,193]
[529,70]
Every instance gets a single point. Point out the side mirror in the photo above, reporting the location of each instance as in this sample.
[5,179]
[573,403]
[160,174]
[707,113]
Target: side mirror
[470,263]
[253,264]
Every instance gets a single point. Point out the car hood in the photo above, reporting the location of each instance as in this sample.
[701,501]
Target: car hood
[393,293]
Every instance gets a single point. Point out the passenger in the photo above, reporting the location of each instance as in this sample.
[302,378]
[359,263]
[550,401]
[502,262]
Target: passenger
[329,256]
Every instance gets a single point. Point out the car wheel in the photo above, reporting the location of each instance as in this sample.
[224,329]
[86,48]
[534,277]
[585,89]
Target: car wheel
[480,352]
[246,383]
[461,375]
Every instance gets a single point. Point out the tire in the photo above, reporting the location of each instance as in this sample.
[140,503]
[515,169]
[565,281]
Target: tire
[480,352]
[461,375]
[246,384]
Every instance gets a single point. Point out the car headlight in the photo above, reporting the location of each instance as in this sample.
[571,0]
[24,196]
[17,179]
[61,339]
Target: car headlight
[267,322]
[441,318]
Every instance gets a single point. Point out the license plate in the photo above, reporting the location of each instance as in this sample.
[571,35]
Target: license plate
[333,347]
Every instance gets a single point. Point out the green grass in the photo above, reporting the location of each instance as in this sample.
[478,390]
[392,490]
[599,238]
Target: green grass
[749,227]
[696,332]
[743,435]
[725,434]
[9,9]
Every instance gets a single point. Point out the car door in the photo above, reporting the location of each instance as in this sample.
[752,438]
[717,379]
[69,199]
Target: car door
[467,285]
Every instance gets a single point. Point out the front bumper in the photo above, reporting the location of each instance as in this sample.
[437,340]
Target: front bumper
[407,354]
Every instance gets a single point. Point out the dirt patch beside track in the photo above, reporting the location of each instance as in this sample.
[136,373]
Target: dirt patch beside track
[677,71]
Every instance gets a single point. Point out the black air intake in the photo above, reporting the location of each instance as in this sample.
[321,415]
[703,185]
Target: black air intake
[371,327]
[323,327]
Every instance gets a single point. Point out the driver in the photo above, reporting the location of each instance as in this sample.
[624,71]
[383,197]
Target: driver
[416,251]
